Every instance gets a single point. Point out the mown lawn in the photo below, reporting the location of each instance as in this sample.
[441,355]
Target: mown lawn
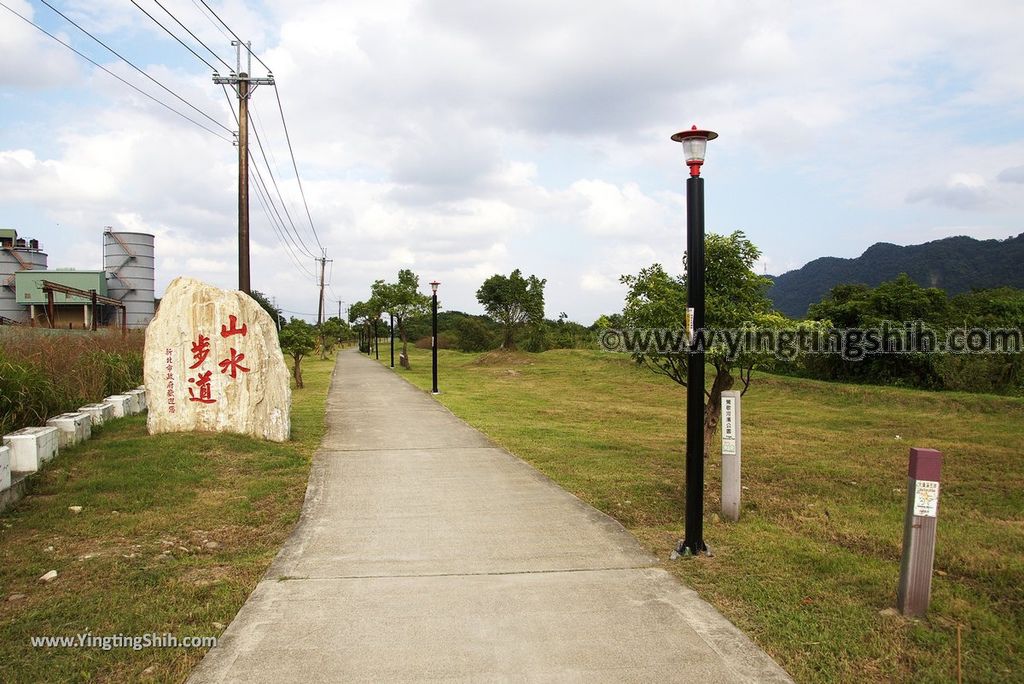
[174,533]
[815,556]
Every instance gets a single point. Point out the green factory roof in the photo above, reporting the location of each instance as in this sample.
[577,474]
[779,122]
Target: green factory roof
[27,285]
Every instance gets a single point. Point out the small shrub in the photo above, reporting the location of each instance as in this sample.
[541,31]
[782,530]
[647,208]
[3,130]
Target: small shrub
[444,341]
[474,336]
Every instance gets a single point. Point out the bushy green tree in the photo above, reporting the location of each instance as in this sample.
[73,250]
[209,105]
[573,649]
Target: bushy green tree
[403,300]
[298,339]
[513,301]
[735,297]
[331,332]
[473,335]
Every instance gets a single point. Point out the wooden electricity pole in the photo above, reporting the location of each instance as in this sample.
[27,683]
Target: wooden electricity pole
[244,87]
[323,266]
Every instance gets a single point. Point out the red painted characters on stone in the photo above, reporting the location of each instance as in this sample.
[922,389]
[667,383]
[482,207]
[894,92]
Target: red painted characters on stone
[233,364]
[200,350]
[205,392]
[234,330]
[202,391]
[169,377]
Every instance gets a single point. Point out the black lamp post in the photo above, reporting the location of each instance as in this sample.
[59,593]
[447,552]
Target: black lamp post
[391,324]
[433,339]
[694,146]
[376,339]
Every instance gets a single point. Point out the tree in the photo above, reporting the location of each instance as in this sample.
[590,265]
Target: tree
[403,300]
[298,338]
[264,301]
[735,299]
[473,335]
[513,301]
[359,316]
[331,332]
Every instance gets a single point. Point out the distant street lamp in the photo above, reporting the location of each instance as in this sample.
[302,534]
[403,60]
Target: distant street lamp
[391,324]
[694,147]
[433,339]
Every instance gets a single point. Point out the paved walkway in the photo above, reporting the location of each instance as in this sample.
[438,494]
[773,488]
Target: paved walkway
[426,553]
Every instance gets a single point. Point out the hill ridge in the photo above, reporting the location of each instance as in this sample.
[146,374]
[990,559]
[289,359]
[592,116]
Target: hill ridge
[955,264]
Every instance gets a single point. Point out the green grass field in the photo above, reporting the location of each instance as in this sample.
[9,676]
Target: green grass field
[174,534]
[815,556]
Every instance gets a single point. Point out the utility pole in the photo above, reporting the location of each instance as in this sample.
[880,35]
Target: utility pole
[244,87]
[323,266]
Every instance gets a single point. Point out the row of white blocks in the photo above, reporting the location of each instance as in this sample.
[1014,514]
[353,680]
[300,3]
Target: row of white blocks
[26,450]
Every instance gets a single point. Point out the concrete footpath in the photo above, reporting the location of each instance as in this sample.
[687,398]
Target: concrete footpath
[427,553]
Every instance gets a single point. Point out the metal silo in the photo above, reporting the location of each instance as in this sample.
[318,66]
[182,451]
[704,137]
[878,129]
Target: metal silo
[12,260]
[129,262]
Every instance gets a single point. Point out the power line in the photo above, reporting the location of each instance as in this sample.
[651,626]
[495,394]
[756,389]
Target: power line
[282,233]
[108,71]
[296,240]
[263,195]
[284,205]
[241,42]
[263,204]
[194,36]
[172,35]
[132,65]
[212,22]
[295,166]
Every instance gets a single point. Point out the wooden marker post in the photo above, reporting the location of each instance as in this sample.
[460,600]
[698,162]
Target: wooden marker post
[919,524]
[731,443]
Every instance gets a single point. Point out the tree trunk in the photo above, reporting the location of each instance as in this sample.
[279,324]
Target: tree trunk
[298,371]
[509,344]
[713,410]
[404,360]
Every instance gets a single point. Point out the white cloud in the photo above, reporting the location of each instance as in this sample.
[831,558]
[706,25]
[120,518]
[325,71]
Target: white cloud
[463,138]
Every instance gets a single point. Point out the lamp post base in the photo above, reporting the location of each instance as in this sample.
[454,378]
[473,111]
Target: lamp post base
[684,550]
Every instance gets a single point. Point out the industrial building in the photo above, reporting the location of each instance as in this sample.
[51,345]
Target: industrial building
[121,293]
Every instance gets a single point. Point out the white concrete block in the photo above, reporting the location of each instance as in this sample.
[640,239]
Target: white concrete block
[5,468]
[74,428]
[99,413]
[31,447]
[122,404]
[139,398]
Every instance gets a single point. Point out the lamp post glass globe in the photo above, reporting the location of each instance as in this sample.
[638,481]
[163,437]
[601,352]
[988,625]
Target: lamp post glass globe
[695,143]
[433,285]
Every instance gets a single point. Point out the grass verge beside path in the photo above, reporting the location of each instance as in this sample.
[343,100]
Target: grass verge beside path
[175,532]
[815,556]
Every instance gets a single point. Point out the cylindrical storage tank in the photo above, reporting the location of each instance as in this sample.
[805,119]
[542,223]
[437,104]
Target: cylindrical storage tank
[9,265]
[130,265]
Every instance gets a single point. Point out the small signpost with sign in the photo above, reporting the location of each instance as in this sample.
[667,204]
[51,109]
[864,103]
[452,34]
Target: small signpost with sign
[731,442]
[919,525]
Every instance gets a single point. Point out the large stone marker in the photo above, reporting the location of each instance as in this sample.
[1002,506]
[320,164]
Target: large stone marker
[214,364]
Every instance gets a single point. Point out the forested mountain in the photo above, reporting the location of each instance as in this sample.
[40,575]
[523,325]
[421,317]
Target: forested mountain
[956,264]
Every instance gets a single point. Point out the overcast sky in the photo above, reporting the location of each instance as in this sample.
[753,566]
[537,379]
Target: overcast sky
[462,138]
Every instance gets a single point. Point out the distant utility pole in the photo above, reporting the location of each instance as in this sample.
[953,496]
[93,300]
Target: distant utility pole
[323,266]
[244,87]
